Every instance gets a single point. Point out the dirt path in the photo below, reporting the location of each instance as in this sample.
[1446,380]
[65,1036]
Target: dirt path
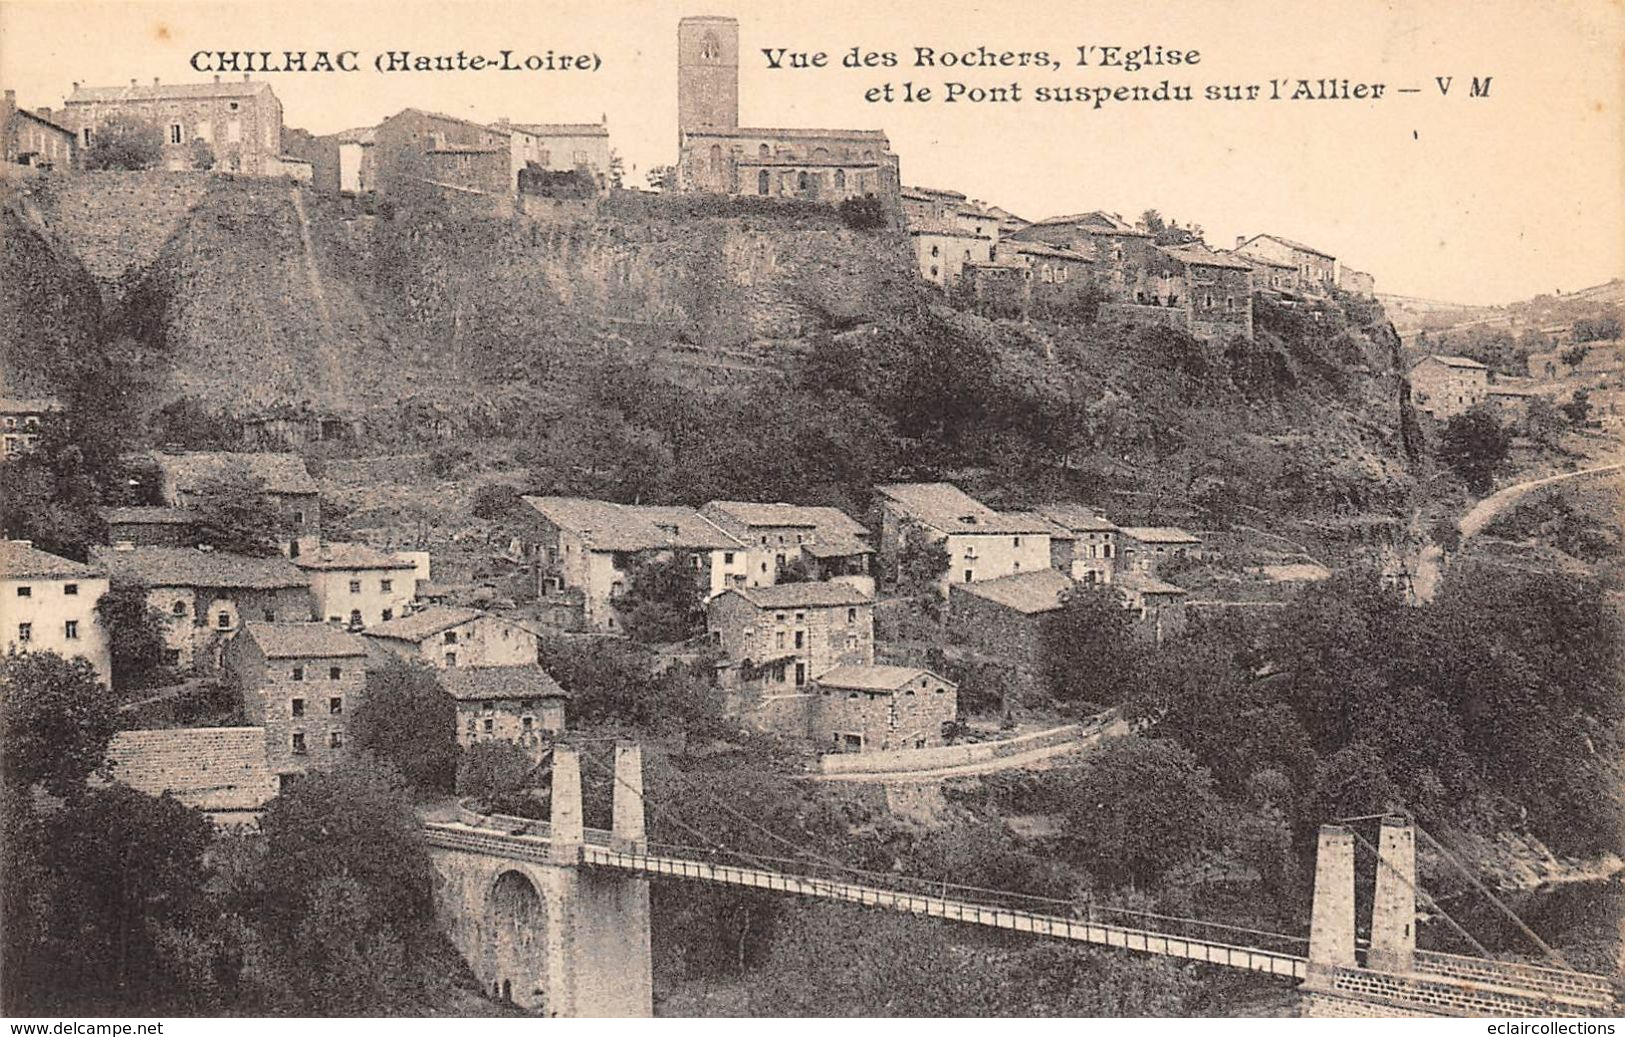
[1430,565]
[1037,759]
[328,349]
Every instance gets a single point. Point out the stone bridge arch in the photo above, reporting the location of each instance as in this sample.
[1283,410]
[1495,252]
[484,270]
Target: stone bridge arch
[515,944]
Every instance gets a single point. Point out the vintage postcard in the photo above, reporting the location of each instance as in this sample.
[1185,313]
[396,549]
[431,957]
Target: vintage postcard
[691,509]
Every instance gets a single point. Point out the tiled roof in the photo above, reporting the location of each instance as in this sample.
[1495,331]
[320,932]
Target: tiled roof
[836,545]
[423,624]
[304,640]
[1075,517]
[944,229]
[563,129]
[874,677]
[1044,248]
[1453,361]
[607,526]
[169,91]
[1289,243]
[467,149]
[1097,222]
[282,473]
[21,560]
[1029,593]
[948,509]
[152,515]
[358,135]
[1160,535]
[803,595]
[350,556]
[1198,255]
[878,136]
[932,194]
[1260,260]
[753,513]
[210,768]
[190,567]
[1144,584]
[476,683]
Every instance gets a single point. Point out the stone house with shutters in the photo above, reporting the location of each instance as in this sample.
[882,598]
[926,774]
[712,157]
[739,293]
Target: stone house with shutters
[1083,543]
[301,683]
[446,637]
[869,708]
[832,544]
[1006,617]
[1214,290]
[777,639]
[48,604]
[207,596]
[285,482]
[1144,548]
[982,544]
[1445,386]
[240,121]
[1158,607]
[357,585]
[23,421]
[592,546]
[518,704]
[34,138]
[1316,271]
[1118,249]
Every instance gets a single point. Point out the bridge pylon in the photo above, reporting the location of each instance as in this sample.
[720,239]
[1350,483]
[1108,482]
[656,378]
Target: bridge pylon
[1393,905]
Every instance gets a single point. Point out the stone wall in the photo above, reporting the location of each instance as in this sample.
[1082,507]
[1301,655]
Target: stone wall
[1132,313]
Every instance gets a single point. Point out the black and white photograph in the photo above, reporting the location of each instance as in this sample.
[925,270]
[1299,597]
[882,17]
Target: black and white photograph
[690,509]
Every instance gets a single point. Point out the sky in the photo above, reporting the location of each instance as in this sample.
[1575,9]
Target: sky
[1476,200]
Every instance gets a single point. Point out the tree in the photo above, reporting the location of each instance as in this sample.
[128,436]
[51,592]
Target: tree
[661,178]
[1139,807]
[864,213]
[615,682]
[124,142]
[201,155]
[494,500]
[663,601]
[408,720]
[56,720]
[1578,409]
[921,562]
[496,774]
[136,634]
[1575,355]
[1475,446]
[796,570]
[1543,421]
[1090,651]
[234,513]
[617,169]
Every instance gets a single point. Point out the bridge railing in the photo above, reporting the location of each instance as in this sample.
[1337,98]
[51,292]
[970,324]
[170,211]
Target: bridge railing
[1539,978]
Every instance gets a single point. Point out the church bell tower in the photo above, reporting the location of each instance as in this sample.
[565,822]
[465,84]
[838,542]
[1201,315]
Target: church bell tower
[707,74]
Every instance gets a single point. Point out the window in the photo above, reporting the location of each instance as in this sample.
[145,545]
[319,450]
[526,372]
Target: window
[386,585]
[298,673]
[299,743]
[801,639]
[852,615]
[450,637]
[70,589]
[25,631]
[528,723]
[801,617]
[176,135]
[223,621]
[801,674]
[297,707]
[451,658]
[778,639]
[355,617]
[727,558]
[1015,541]
[70,630]
[935,252]
[778,617]
[697,563]
[335,740]
[390,614]
[933,271]
[335,705]
[25,592]
[490,725]
[761,181]
[970,574]
[471,725]
[355,586]
[333,673]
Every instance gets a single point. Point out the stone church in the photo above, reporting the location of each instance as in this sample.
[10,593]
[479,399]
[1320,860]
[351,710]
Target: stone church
[717,155]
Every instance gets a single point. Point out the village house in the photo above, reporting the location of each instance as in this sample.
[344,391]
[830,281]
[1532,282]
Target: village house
[284,481]
[1119,249]
[156,525]
[1445,386]
[1316,270]
[301,682]
[780,637]
[1146,548]
[220,771]
[358,585]
[50,606]
[207,595]
[869,708]
[949,232]
[238,121]
[1006,617]
[522,705]
[1269,275]
[1082,544]
[1356,282]
[717,155]
[982,544]
[1158,607]
[23,420]
[444,637]
[593,546]
[831,544]
[1215,291]
[560,147]
[34,139]
[1053,278]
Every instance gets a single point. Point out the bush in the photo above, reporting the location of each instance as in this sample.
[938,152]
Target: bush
[498,775]
[124,142]
[864,213]
[494,500]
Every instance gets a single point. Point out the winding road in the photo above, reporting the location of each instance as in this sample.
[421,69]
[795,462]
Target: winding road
[1430,564]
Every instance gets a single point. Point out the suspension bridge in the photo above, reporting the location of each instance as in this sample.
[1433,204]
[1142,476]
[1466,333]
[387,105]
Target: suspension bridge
[554,916]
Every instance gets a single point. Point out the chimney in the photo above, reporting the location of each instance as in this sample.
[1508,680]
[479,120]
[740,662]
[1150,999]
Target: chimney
[132,82]
[245,77]
[22,543]
[1240,240]
[217,79]
[11,98]
[154,80]
[76,87]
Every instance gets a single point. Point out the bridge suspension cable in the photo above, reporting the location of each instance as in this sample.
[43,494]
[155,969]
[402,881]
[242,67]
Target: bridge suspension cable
[1417,890]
